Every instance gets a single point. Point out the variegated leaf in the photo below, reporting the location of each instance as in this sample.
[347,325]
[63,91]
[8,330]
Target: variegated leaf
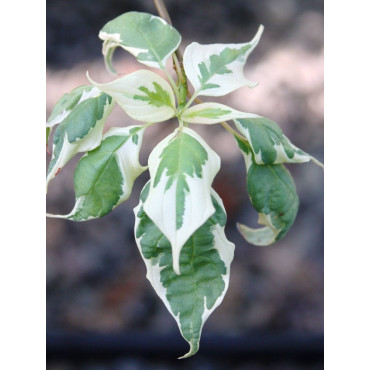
[209,113]
[205,268]
[149,38]
[65,105]
[182,167]
[67,102]
[80,131]
[104,177]
[272,192]
[217,69]
[144,95]
[269,144]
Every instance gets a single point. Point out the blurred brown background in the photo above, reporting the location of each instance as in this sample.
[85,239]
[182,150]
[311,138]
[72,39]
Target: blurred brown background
[95,277]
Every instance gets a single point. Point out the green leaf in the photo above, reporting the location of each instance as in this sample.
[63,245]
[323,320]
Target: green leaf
[149,38]
[65,105]
[80,131]
[143,95]
[269,144]
[104,177]
[205,268]
[182,167]
[210,113]
[217,69]
[67,102]
[272,192]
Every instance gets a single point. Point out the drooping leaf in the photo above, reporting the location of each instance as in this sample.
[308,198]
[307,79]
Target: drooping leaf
[205,268]
[217,69]
[80,131]
[269,144]
[272,192]
[182,167]
[209,113]
[144,96]
[149,38]
[104,177]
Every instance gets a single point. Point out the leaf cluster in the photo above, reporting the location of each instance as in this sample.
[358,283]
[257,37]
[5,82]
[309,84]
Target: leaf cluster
[180,219]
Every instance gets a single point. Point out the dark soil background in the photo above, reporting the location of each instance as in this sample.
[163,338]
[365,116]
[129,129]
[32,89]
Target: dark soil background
[101,311]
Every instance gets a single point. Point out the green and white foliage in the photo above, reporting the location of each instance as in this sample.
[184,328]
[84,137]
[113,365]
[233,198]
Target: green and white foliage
[104,176]
[150,39]
[269,144]
[209,113]
[217,69]
[64,106]
[273,194]
[180,220]
[143,95]
[80,130]
[66,103]
[182,167]
[205,268]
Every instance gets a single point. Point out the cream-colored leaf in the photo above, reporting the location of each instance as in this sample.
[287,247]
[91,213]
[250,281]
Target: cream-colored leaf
[143,95]
[217,69]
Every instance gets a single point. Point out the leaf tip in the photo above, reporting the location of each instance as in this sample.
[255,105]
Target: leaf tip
[261,237]
[317,162]
[260,30]
[49,215]
[88,77]
[192,351]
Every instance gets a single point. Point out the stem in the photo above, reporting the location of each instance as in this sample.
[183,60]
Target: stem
[192,98]
[181,87]
[172,83]
[177,67]
[228,128]
[147,125]
[181,124]
[162,11]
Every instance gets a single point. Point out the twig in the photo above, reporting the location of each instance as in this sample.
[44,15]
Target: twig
[177,55]
[162,11]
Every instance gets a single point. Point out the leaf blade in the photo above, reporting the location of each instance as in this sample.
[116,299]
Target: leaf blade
[269,144]
[182,167]
[104,177]
[210,113]
[80,131]
[149,38]
[272,192]
[143,95]
[217,69]
[192,296]
[66,103]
